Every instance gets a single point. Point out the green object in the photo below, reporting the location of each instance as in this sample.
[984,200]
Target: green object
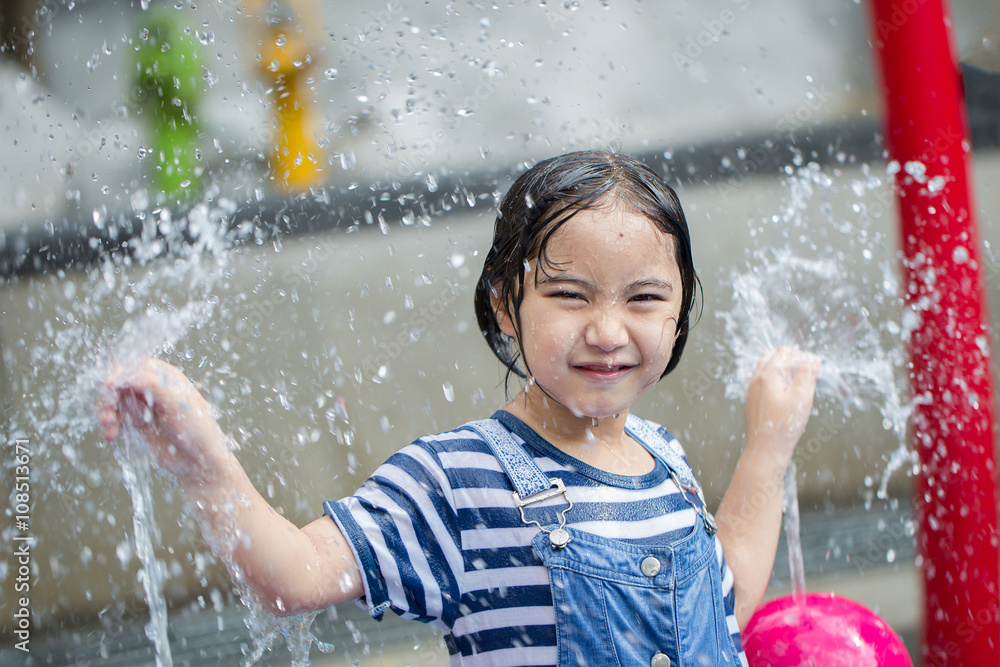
[170,83]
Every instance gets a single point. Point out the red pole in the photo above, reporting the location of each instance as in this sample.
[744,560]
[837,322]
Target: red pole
[956,488]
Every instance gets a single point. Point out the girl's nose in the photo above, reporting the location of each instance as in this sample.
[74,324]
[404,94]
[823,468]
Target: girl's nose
[606,331]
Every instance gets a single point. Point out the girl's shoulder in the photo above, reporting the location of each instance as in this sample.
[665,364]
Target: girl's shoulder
[459,448]
[458,440]
[662,443]
[652,433]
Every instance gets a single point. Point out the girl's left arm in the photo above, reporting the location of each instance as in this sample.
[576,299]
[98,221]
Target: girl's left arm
[779,399]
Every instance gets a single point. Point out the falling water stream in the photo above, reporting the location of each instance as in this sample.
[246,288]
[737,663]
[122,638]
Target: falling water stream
[796,564]
[133,455]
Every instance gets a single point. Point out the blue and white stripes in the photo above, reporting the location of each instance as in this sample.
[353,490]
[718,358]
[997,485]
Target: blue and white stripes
[439,540]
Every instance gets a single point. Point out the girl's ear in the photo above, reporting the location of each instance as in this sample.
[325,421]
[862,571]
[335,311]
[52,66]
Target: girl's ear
[501,311]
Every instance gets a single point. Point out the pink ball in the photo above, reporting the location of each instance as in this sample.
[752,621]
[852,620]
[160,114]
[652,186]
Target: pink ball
[824,630]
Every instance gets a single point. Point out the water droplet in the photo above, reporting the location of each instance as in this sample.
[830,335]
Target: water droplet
[916,169]
[348,160]
[330,73]
[983,343]
[449,392]
[960,255]
[124,552]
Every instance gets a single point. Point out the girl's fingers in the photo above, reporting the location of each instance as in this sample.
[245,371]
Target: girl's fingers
[765,359]
[785,372]
[106,408]
[120,399]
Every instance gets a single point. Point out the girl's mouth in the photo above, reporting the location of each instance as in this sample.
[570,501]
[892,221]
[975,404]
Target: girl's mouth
[603,371]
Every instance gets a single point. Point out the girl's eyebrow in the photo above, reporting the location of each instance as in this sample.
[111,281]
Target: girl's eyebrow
[563,278]
[645,283]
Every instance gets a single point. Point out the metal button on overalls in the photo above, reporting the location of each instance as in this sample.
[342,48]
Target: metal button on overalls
[660,660]
[650,566]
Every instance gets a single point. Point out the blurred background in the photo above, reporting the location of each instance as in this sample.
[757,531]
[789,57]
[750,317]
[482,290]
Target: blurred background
[291,200]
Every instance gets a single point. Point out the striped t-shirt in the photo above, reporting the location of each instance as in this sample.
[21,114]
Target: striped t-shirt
[438,538]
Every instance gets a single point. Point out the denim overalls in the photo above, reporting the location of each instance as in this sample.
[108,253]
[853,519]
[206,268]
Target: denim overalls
[618,603]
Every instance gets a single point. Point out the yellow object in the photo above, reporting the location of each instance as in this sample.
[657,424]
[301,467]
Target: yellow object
[297,160]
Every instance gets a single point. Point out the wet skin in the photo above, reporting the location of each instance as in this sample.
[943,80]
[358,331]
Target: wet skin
[599,320]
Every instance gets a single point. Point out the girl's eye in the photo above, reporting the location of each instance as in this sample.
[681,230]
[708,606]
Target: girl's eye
[647,297]
[567,295]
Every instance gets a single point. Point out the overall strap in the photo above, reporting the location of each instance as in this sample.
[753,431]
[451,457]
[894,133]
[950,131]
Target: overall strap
[529,482]
[524,474]
[679,470]
[641,430]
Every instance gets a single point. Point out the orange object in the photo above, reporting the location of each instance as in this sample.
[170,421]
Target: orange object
[296,159]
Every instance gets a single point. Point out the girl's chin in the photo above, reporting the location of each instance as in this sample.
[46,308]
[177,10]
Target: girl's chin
[598,412]
[600,409]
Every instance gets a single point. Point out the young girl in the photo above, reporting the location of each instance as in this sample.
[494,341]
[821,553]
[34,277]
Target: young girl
[563,530]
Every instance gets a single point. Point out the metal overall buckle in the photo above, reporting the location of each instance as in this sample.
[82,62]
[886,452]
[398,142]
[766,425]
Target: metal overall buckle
[558,537]
[710,526]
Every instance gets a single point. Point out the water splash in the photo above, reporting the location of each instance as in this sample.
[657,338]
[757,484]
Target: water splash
[799,292]
[266,629]
[149,301]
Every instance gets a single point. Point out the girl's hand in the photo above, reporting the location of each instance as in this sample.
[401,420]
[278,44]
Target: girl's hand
[157,400]
[779,398]
[292,570]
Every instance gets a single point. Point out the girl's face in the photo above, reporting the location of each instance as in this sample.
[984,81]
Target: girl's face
[599,319]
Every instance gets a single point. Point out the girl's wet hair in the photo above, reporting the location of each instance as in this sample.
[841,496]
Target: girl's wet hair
[545,197]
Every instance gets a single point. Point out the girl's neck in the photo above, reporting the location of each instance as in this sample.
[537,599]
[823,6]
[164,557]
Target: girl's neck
[601,443]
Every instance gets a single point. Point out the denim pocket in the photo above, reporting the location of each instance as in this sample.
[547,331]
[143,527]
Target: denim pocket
[610,609]
[704,634]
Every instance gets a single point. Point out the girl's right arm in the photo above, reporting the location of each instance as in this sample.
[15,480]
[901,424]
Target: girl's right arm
[291,569]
